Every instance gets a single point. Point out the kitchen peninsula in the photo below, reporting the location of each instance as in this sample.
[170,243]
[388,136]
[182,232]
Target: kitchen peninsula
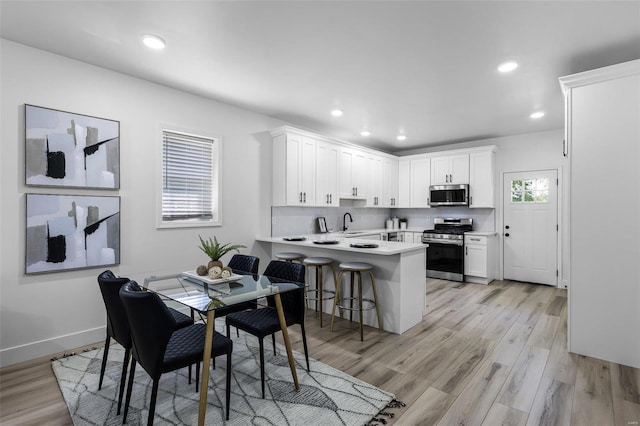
[399,270]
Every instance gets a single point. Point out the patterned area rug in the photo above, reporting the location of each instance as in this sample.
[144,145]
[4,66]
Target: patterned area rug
[327,396]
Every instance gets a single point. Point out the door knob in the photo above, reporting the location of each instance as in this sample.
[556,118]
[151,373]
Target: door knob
[506,227]
[506,235]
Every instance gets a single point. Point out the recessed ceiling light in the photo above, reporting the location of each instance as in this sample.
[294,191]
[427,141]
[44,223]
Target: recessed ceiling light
[336,112]
[507,66]
[537,114]
[401,137]
[365,133]
[153,41]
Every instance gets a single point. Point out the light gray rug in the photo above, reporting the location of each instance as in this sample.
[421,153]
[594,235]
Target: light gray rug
[326,397]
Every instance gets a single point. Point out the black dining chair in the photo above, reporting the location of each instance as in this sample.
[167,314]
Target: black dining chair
[264,322]
[118,325]
[241,264]
[160,348]
[244,264]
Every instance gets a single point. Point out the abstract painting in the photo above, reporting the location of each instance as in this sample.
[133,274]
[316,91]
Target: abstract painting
[71,150]
[67,232]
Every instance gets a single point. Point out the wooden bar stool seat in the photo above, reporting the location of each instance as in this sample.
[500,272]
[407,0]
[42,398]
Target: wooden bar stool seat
[355,270]
[319,293]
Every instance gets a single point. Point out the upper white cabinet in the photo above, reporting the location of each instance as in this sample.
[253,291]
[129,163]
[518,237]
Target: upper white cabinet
[294,177]
[482,179]
[327,174]
[404,182]
[420,178]
[312,170]
[374,181]
[353,173]
[450,169]
[390,182]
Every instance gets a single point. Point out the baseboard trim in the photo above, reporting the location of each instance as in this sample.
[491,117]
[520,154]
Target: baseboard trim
[29,351]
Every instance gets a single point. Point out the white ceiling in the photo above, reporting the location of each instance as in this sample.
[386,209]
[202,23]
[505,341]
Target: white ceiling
[423,68]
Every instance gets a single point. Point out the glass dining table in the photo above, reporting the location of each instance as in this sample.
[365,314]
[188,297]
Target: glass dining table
[204,295]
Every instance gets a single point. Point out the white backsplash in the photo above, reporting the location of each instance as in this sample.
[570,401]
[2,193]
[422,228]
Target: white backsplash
[286,221]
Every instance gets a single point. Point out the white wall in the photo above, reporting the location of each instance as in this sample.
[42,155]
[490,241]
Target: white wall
[47,313]
[531,151]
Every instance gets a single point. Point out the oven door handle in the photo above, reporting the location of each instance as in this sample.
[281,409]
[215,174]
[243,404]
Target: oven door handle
[444,242]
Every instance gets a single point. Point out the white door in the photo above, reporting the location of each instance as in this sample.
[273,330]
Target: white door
[530,226]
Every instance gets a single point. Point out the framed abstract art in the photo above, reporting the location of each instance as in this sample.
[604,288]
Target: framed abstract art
[66,232]
[64,149]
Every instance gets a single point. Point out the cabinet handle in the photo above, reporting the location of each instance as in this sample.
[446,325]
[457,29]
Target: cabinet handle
[327,199]
[304,197]
[466,251]
[330,198]
[356,191]
[474,239]
[470,199]
[301,197]
[353,191]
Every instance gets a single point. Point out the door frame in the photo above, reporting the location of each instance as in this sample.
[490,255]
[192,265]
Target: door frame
[562,281]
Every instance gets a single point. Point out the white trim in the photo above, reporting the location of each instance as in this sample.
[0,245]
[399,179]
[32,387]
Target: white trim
[54,345]
[217,184]
[624,69]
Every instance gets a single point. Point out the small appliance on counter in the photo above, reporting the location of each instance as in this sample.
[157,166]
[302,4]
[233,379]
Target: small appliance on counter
[389,224]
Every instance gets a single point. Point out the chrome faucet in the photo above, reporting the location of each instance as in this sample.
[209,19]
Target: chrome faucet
[344,221]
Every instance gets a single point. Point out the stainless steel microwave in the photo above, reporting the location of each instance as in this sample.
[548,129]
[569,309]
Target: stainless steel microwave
[448,195]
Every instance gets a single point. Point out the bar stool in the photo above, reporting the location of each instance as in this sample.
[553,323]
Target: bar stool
[355,269]
[289,256]
[318,263]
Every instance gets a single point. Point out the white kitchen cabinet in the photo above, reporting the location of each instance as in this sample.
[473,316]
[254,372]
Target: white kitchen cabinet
[404,183]
[450,169]
[420,178]
[602,107]
[294,177]
[353,173]
[482,179]
[374,181]
[389,182]
[327,174]
[479,264]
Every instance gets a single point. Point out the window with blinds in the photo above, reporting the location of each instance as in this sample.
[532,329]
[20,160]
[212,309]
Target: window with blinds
[189,176]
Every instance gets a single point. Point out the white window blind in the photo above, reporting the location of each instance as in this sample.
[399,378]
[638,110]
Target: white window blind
[188,175]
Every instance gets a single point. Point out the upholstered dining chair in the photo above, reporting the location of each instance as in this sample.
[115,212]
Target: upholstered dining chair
[241,264]
[264,322]
[118,325]
[244,264]
[160,348]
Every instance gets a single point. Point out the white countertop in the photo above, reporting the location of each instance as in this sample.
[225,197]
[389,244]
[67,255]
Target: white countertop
[385,248]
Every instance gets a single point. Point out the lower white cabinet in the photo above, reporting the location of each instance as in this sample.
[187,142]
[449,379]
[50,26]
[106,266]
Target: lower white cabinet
[479,255]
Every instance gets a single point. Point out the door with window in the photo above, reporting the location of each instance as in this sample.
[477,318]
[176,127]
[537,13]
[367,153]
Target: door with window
[530,226]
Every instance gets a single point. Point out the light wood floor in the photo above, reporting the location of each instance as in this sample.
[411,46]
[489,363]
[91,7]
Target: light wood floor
[483,355]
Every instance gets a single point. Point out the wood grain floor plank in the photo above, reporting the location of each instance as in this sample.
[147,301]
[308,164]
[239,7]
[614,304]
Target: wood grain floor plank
[544,332]
[428,408]
[461,370]
[505,416]
[520,389]
[592,400]
[473,404]
[552,405]
[508,349]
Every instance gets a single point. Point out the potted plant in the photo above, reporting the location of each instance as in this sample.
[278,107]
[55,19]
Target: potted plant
[212,248]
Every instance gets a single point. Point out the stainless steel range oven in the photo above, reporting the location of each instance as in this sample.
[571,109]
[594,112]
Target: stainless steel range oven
[445,254]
